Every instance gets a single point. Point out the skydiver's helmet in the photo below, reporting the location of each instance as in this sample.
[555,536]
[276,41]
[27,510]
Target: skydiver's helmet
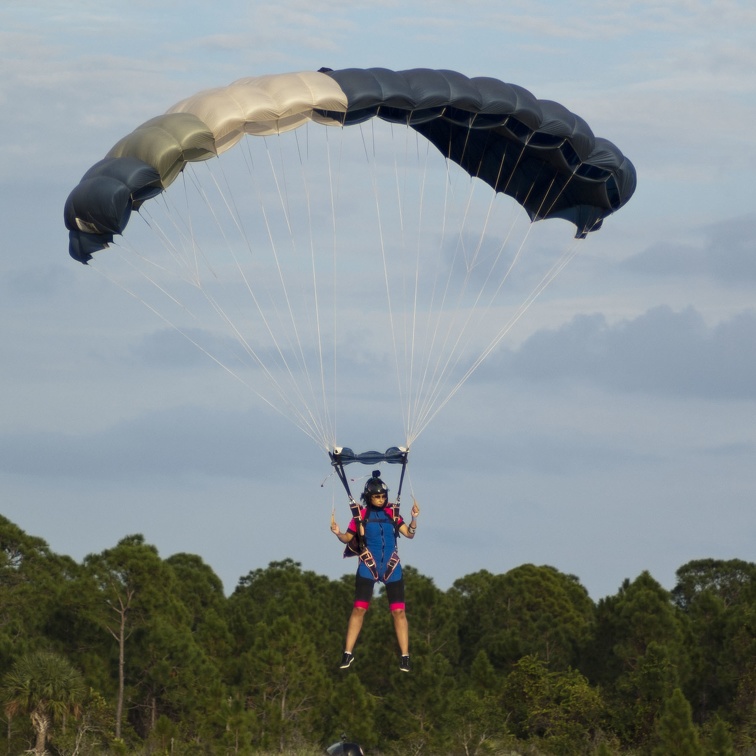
[374,486]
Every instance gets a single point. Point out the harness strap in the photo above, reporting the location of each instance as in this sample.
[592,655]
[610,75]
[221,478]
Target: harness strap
[391,566]
[395,506]
[361,549]
[369,561]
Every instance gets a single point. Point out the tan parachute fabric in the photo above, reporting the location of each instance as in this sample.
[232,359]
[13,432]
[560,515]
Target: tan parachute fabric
[263,105]
[168,143]
[211,122]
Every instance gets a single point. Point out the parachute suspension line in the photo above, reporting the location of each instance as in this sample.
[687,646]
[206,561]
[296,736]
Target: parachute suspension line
[152,264]
[435,313]
[413,398]
[434,401]
[414,163]
[402,387]
[195,343]
[404,348]
[427,344]
[304,420]
[404,382]
[189,238]
[555,269]
[370,159]
[321,408]
[556,197]
[411,394]
[419,404]
[196,281]
[186,234]
[283,196]
[319,417]
[179,225]
[432,376]
[329,435]
[553,272]
[455,352]
[332,193]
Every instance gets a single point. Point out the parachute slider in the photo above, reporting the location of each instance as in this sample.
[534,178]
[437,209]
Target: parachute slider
[394,455]
[342,455]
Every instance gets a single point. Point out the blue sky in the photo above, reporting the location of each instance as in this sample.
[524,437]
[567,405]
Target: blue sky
[612,433]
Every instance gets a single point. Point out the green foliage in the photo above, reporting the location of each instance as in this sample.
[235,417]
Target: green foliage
[201,592]
[284,590]
[719,599]
[557,708]
[284,683]
[33,581]
[719,740]
[47,688]
[92,731]
[675,733]
[528,610]
[732,581]
[352,711]
[522,662]
[476,722]
[638,655]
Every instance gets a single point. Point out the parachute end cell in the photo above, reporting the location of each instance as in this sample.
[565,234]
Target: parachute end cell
[81,245]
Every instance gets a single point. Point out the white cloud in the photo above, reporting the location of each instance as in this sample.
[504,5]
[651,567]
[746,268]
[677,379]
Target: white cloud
[661,353]
[724,253]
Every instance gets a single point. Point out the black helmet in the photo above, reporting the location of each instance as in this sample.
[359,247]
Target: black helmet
[374,485]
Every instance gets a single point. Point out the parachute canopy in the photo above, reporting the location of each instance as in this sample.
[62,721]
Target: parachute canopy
[361,246]
[536,151]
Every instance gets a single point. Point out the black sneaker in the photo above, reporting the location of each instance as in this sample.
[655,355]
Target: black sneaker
[346,660]
[404,664]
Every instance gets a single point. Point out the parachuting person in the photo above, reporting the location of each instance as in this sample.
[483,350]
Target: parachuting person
[374,539]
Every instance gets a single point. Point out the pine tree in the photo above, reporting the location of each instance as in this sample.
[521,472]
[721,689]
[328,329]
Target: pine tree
[720,741]
[676,734]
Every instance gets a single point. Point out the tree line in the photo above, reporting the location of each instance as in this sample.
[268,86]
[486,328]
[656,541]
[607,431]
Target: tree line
[129,653]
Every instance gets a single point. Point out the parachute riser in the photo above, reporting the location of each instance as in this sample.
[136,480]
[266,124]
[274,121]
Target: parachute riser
[392,455]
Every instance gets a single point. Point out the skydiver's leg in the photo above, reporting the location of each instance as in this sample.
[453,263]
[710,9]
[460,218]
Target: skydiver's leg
[401,626]
[395,595]
[353,628]
[363,592]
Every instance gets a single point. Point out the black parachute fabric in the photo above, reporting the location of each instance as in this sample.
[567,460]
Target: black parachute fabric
[536,151]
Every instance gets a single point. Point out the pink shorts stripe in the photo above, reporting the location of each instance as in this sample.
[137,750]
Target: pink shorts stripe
[362,604]
[396,607]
